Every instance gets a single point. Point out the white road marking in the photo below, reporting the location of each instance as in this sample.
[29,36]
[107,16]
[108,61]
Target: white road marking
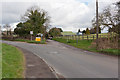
[30,65]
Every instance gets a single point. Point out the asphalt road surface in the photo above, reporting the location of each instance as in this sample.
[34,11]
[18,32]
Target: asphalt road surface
[71,62]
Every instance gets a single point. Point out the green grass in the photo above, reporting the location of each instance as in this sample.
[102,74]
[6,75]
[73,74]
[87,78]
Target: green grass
[0,60]
[86,45]
[21,40]
[83,44]
[12,62]
[37,42]
[112,51]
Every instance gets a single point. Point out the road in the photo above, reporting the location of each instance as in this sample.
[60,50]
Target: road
[71,62]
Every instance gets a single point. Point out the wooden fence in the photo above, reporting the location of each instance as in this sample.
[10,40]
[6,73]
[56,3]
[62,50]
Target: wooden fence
[84,37]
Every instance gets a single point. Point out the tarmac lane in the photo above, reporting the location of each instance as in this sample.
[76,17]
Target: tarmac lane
[72,62]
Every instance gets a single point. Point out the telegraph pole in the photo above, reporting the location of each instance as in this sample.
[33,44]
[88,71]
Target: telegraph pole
[97,25]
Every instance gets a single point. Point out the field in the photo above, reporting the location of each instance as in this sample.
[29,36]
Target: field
[67,33]
[86,45]
[12,62]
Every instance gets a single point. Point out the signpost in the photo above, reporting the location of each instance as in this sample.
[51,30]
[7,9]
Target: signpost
[31,32]
[76,36]
[41,36]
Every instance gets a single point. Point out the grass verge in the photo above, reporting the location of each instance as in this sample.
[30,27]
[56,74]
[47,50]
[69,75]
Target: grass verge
[0,60]
[29,41]
[85,45]
[12,62]
[37,42]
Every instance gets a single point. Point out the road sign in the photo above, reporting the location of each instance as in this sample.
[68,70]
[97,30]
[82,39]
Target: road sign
[31,32]
[41,35]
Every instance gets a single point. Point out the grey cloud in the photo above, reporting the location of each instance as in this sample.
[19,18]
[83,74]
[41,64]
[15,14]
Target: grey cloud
[12,11]
[68,14]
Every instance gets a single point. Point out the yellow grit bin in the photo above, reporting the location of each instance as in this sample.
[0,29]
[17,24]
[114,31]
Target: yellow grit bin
[38,39]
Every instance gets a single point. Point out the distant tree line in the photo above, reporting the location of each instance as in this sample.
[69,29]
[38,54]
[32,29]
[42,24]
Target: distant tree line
[89,31]
[36,20]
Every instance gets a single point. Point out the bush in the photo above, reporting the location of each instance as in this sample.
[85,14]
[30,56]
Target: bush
[107,43]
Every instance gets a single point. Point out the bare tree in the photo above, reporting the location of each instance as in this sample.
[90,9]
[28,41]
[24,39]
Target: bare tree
[8,29]
[107,18]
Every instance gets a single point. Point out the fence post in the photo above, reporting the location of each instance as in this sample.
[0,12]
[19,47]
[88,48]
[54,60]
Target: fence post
[100,36]
[87,37]
[108,37]
[93,37]
[82,37]
[73,37]
[61,36]
[77,39]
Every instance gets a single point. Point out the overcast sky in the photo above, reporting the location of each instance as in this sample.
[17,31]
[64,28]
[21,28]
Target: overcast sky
[70,15]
